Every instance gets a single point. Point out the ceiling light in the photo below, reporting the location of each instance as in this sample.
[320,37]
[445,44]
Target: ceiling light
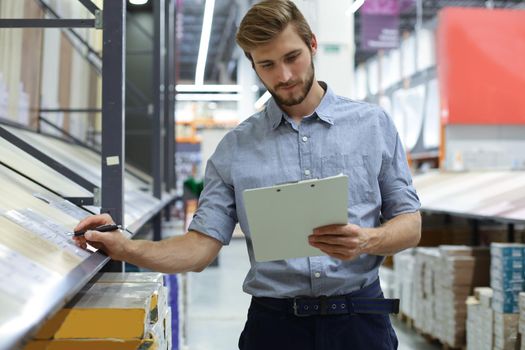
[138,2]
[262,100]
[208,88]
[208,97]
[356,5]
[205,41]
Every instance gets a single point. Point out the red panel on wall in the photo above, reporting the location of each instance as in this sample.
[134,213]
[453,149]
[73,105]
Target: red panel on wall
[481,66]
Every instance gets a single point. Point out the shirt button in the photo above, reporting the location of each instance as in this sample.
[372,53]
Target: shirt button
[305,138]
[317,274]
[307,172]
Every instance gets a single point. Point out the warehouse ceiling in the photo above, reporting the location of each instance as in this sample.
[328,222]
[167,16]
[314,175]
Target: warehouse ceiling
[220,63]
[222,55]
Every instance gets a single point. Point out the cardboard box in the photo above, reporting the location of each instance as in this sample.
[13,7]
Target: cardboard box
[91,344]
[516,250]
[130,277]
[484,295]
[155,291]
[504,264]
[99,316]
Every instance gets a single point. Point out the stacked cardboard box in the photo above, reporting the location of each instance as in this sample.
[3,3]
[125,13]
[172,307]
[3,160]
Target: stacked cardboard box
[425,268]
[480,318]
[404,280]
[521,322]
[459,270]
[386,276]
[110,314]
[506,280]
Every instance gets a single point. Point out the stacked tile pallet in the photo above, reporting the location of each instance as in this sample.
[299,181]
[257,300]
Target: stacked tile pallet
[480,319]
[506,279]
[433,284]
[424,291]
[404,263]
[120,311]
[521,322]
[460,268]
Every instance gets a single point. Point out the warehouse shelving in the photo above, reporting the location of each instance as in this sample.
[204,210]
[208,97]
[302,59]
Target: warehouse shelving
[60,179]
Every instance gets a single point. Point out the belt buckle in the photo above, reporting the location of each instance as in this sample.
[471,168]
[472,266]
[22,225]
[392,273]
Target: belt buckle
[296,308]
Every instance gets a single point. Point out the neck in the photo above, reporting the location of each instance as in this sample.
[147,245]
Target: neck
[309,104]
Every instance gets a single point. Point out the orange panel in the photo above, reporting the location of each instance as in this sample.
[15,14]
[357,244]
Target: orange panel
[481,66]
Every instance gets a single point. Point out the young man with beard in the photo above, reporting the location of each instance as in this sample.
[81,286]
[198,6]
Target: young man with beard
[306,131]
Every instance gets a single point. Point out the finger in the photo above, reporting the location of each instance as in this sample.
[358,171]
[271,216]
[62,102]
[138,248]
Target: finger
[338,255]
[96,236]
[79,240]
[93,221]
[346,241]
[328,229]
[331,247]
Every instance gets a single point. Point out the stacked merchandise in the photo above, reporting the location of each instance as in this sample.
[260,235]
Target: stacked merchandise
[506,280]
[425,268]
[459,269]
[119,311]
[521,322]
[386,276]
[404,281]
[480,318]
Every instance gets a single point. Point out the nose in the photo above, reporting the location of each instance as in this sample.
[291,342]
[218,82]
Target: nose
[284,73]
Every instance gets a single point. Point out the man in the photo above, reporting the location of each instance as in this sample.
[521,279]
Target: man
[306,131]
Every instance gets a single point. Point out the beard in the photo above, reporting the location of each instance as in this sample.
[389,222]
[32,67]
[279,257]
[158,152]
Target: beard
[292,101]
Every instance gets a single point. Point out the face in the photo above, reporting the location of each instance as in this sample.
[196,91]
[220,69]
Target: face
[285,67]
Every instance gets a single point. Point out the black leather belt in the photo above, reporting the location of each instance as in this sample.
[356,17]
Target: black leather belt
[363,301]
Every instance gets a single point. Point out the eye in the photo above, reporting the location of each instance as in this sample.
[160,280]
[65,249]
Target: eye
[266,65]
[292,58]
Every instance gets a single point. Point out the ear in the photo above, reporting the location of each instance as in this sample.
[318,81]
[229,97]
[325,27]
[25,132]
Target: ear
[313,44]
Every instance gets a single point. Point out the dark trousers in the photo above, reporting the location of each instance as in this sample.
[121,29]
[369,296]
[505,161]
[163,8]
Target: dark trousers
[272,329]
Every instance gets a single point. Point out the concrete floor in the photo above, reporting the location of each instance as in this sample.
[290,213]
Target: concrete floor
[217,306]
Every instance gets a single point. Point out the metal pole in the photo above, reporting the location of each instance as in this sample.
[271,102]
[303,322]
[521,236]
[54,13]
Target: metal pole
[511,234]
[169,96]
[46,23]
[157,138]
[474,232]
[113,105]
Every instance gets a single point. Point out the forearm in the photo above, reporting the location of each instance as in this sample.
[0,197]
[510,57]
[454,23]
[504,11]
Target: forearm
[399,233]
[177,254]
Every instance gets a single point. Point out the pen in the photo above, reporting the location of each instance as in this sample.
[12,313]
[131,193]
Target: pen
[103,228]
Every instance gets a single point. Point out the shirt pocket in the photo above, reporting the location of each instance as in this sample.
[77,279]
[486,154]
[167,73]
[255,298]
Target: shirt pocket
[359,178]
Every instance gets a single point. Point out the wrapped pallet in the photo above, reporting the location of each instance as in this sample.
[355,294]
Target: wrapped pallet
[404,281]
[461,269]
[507,280]
[480,318]
[521,321]
[425,268]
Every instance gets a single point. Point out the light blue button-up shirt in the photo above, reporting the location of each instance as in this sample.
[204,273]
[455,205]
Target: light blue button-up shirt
[341,136]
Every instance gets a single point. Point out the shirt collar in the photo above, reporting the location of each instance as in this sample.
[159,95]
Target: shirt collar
[324,110]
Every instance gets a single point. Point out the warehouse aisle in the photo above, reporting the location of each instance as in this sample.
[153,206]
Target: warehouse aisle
[217,306]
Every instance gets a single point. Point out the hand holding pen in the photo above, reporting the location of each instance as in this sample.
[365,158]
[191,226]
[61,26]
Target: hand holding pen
[102,228]
[101,232]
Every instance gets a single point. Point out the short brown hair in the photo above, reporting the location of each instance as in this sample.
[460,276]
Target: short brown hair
[266,20]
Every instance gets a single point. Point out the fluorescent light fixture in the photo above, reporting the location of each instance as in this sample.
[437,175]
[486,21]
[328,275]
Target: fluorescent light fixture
[356,5]
[208,88]
[262,100]
[138,2]
[205,41]
[208,97]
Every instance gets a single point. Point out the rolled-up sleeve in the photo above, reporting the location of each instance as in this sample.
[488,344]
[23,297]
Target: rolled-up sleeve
[395,180]
[216,213]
